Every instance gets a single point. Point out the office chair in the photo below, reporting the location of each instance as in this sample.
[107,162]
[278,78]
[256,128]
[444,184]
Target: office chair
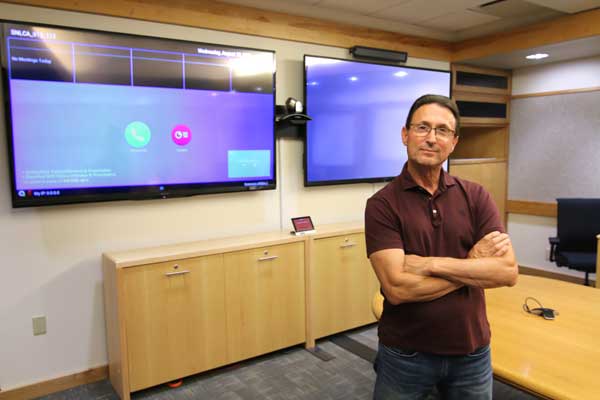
[578,223]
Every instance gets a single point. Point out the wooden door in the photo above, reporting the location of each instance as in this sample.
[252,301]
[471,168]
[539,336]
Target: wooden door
[265,299]
[174,319]
[489,174]
[342,285]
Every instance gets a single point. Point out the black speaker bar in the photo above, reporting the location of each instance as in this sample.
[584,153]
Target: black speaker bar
[378,54]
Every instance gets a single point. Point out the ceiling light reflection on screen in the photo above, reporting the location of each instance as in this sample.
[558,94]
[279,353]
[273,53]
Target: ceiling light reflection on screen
[536,56]
[312,61]
[252,64]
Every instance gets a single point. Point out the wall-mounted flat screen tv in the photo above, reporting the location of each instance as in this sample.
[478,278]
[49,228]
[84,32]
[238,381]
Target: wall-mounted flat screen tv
[358,110]
[96,116]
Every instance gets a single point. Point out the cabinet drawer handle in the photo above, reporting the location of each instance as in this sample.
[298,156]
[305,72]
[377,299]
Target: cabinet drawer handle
[268,258]
[176,273]
[343,246]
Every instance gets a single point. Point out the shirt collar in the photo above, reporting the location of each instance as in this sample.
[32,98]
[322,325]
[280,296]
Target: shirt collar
[407,182]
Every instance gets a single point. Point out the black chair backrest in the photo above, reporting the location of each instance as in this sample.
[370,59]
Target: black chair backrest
[578,223]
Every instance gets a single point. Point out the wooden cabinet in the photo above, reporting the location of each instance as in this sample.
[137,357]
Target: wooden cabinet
[265,300]
[178,310]
[175,311]
[342,284]
[481,154]
[490,173]
[174,319]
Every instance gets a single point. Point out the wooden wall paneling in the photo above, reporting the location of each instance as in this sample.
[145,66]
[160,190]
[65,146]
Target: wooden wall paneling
[482,122]
[562,29]
[526,270]
[532,208]
[556,92]
[490,174]
[484,142]
[480,97]
[479,89]
[483,98]
[252,21]
[57,385]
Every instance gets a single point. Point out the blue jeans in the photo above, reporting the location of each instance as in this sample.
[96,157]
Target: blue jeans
[409,375]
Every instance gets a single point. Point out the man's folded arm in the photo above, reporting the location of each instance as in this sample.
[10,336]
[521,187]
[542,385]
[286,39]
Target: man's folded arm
[400,286]
[491,264]
[486,272]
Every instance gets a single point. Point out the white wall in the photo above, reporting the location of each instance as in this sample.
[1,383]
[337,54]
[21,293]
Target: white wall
[574,74]
[51,256]
[530,233]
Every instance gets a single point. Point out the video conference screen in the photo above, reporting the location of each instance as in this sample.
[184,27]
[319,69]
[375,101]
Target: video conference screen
[99,116]
[358,110]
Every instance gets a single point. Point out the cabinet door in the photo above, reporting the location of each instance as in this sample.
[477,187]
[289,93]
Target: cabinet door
[174,319]
[342,285]
[491,175]
[265,299]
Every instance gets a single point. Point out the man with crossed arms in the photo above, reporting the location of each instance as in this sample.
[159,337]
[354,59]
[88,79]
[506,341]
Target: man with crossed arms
[435,242]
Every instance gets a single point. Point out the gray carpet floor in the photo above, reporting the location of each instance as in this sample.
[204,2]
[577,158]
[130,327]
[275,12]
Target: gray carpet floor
[288,374]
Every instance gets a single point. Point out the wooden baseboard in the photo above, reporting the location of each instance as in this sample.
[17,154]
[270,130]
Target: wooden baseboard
[553,275]
[56,385]
[531,208]
[556,92]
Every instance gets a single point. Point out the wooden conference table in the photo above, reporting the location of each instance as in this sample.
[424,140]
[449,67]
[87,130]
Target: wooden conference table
[557,359]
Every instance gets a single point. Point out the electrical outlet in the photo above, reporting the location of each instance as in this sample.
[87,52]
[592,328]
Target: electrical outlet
[39,325]
[547,255]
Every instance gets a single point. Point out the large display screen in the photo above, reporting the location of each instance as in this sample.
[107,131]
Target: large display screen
[358,110]
[96,116]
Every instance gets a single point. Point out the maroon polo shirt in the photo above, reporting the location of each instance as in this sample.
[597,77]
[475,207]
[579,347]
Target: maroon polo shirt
[403,215]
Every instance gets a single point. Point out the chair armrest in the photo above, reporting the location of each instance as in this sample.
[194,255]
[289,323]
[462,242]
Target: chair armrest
[554,242]
[598,262]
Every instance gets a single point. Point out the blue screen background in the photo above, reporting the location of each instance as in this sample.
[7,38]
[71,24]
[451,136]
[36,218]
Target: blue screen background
[78,131]
[358,110]
[95,111]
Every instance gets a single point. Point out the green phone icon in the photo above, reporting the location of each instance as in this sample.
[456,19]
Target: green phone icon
[137,134]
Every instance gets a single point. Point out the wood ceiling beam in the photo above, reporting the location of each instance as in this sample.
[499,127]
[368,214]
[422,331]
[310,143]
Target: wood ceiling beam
[253,21]
[562,29]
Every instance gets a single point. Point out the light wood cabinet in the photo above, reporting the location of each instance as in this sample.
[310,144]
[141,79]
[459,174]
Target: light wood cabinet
[489,173]
[265,299]
[175,311]
[174,319]
[178,310]
[342,284]
[481,154]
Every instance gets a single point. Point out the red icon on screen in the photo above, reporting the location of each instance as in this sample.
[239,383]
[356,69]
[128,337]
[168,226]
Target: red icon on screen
[181,135]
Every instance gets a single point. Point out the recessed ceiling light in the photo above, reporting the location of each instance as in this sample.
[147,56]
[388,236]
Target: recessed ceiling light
[401,74]
[353,78]
[536,56]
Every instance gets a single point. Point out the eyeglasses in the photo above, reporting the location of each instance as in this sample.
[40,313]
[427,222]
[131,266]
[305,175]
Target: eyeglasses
[441,132]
